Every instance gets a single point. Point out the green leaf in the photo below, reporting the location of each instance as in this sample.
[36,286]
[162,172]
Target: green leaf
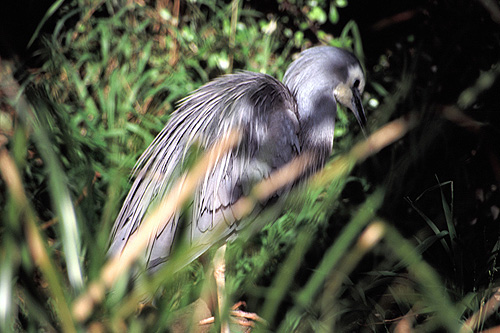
[333,15]
[317,14]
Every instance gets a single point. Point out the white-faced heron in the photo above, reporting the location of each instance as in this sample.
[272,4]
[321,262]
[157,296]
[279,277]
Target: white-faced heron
[278,121]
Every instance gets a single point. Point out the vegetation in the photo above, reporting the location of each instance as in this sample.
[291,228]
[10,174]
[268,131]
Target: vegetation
[406,238]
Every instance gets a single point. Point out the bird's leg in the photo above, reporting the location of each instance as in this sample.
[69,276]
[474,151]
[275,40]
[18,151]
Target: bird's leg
[220,280]
[242,318]
[247,316]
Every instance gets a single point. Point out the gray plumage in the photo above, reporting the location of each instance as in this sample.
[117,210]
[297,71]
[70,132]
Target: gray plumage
[277,121]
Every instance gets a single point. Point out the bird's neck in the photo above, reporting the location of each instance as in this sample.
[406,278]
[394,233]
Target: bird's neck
[317,118]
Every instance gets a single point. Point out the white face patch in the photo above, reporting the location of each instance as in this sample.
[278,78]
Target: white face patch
[355,73]
[343,92]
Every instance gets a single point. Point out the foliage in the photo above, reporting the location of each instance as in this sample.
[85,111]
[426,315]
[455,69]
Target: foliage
[108,76]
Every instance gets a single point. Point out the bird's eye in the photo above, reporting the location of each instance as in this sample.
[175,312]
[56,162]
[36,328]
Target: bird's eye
[356,84]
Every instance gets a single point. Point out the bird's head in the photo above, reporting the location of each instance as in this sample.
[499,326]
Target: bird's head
[348,92]
[327,71]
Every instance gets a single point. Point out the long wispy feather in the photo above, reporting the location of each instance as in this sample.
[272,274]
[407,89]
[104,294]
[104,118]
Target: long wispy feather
[261,107]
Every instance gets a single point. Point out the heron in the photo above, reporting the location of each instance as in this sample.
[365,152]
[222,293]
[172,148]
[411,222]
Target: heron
[278,121]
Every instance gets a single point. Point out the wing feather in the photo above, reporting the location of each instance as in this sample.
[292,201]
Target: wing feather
[256,104]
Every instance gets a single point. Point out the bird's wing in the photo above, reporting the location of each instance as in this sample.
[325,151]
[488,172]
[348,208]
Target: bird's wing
[261,108]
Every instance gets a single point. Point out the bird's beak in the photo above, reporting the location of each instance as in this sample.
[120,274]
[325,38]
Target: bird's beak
[357,109]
